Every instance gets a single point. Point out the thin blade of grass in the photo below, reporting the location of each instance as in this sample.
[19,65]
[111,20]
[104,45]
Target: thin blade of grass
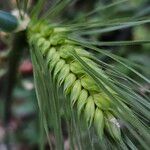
[114,28]
[118,59]
[130,117]
[47,98]
[56,9]
[37,9]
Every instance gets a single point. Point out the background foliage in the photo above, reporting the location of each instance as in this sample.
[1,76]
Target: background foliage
[24,119]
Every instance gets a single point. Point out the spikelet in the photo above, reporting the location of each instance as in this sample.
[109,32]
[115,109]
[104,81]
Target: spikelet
[89,110]
[113,126]
[75,92]
[102,101]
[82,100]
[69,81]
[99,122]
[90,100]
[63,74]
[58,67]
[76,68]
[88,83]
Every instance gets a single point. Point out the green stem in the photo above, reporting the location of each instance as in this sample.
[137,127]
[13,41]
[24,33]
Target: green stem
[15,56]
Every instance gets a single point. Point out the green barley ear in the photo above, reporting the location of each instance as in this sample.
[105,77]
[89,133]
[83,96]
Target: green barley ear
[70,79]
[63,74]
[82,100]
[97,68]
[50,54]
[91,63]
[89,110]
[72,67]
[83,53]
[75,92]
[45,47]
[35,38]
[65,51]
[113,126]
[89,84]
[56,39]
[54,60]
[102,101]
[76,68]
[58,67]
[40,41]
[99,122]
[46,31]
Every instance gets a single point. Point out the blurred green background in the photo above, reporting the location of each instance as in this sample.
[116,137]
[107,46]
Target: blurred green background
[24,119]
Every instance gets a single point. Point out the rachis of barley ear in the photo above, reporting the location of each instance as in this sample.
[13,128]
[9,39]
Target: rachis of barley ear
[90,100]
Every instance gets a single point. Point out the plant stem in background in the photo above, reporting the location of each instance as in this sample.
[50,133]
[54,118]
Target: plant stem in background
[18,43]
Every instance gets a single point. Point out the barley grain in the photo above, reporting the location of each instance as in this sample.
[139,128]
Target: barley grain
[91,101]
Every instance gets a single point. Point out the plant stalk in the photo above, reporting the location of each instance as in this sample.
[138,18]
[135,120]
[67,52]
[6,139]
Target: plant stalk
[18,44]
